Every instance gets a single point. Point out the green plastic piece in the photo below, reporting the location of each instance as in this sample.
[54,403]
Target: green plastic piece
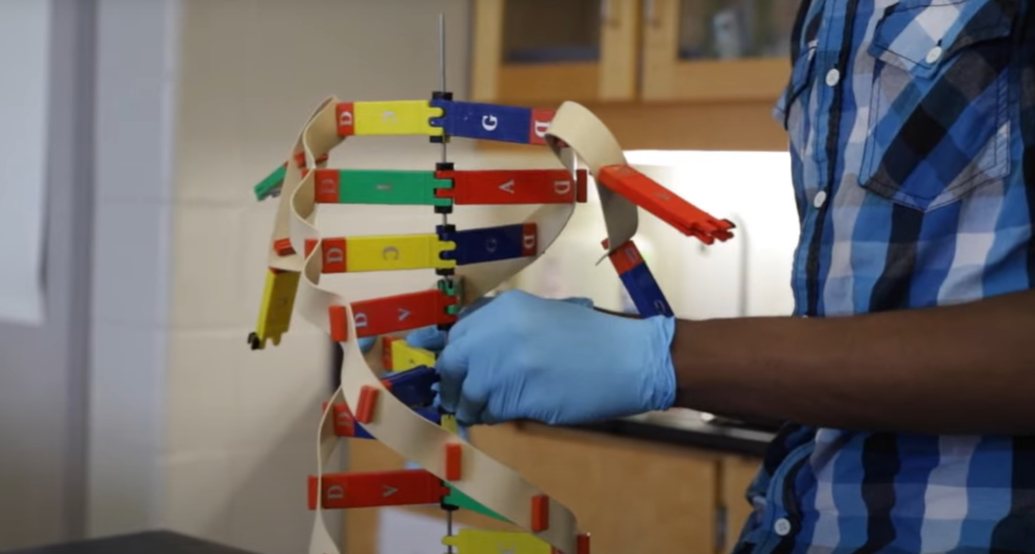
[451,287]
[461,500]
[394,187]
[270,186]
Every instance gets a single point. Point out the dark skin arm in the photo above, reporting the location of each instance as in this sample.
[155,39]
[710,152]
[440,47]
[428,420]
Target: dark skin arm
[964,369]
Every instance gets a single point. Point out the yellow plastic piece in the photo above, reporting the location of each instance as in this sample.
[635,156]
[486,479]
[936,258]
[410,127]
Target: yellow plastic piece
[406,357]
[449,424]
[477,541]
[395,252]
[278,302]
[400,117]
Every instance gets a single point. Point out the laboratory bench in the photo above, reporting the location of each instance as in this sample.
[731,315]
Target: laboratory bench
[693,430]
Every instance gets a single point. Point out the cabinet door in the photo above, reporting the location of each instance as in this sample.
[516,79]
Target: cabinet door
[546,51]
[716,50]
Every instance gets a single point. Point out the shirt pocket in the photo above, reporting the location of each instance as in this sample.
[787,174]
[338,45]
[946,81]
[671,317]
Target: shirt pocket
[939,124]
[790,111]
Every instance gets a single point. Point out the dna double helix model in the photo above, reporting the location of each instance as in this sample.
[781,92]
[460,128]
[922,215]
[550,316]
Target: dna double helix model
[395,406]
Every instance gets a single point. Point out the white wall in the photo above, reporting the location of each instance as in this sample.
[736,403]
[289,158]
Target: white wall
[135,96]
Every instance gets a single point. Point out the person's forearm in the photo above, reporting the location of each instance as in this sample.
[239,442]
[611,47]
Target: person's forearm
[948,370]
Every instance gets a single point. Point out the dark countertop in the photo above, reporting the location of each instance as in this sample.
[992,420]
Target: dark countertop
[150,542]
[687,428]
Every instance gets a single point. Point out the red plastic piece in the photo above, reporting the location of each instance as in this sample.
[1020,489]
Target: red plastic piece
[333,255]
[529,239]
[390,314]
[665,204]
[383,488]
[402,312]
[454,454]
[625,257]
[344,423]
[540,513]
[333,252]
[582,543]
[300,161]
[283,247]
[386,352]
[498,187]
[338,324]
[328,186]
[540,123]
[345,117]
[367,403]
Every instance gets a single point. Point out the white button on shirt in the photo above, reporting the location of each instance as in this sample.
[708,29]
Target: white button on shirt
[833,77]
[782,527]
[819,199]
[933,54]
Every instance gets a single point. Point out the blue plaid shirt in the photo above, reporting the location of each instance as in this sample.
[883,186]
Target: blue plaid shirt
[912,139]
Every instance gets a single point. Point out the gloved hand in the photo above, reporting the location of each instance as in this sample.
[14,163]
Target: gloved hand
[526,357]
[366,343]
[431,338]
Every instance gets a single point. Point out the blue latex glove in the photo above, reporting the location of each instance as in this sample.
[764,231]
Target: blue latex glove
[560,362]
[366,343]
[431,338]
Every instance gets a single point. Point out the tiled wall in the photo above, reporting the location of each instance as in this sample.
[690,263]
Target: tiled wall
[192,430]
[135,77]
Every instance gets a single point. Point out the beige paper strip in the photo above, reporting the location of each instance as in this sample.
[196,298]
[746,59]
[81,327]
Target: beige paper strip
[484,479]
[579,129]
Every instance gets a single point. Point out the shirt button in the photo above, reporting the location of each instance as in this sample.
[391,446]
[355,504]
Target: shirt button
[933,54]
[819,199]
[782,527]
[833,77]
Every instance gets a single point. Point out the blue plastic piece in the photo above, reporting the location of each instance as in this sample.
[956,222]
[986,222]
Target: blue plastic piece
[484,121]
[488,244]
[645,292]
[358,432]
[413,387]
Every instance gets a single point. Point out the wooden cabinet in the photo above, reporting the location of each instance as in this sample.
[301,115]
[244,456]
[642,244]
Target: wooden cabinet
[528,51]
[662,74]
[632,495]
[716,50]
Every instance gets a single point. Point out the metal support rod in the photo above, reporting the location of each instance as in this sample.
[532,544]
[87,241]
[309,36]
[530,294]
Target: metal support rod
[442,67]
[442,89]
[445,159]
[449,527]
